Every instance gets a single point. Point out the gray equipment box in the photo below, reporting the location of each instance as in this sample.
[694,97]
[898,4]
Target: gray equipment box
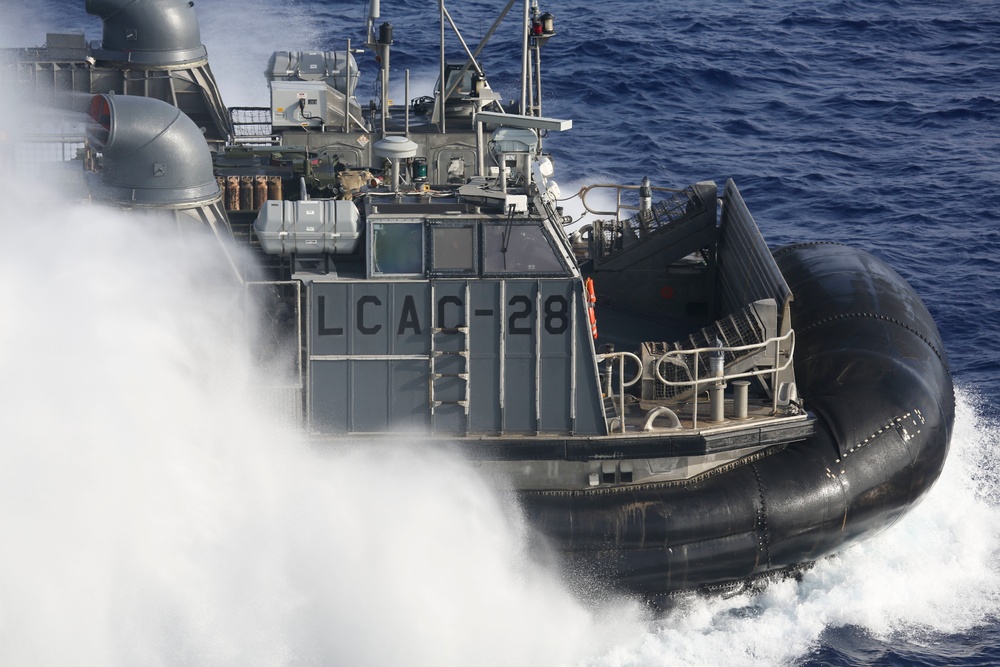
[299,103]
[337,69]
[314,226]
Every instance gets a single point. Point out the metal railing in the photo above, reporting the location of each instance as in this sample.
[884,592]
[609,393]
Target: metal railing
[677,357]
[53,144]
[619,206]
[646,219]
[610,358]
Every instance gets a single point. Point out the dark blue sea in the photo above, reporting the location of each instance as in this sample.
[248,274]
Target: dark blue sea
[874,123]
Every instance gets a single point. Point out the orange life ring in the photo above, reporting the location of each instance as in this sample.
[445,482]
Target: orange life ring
[591,300]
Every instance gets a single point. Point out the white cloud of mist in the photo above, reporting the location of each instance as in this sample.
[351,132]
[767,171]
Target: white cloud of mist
[154,511]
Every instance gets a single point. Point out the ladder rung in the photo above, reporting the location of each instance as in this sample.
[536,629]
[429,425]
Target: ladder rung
[452,330]
[440,403]
[464,376]
[441,353]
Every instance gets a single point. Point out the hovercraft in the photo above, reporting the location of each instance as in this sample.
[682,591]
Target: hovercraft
[676,406]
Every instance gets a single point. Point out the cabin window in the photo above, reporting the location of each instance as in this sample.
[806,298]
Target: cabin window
[456,170]
[518,248]
[397,248]
[453,249]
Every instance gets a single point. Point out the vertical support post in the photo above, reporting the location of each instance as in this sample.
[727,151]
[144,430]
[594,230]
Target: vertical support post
[347,91]
[525,28]
[621,391]
[480,147]
[406,94]
[694,413]
[503,353]
[538,357]
[384,49]
[467,348]
[717,402]
[444,84]
[577,285]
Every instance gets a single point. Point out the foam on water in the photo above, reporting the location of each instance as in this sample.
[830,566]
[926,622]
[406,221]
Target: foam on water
[935,572]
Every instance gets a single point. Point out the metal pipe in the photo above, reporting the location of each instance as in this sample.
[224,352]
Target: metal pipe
[538,86]
[480,147]
[717,403]
[406,94]
[524,58]
[347,95]
[384,48]
[374,12]
[621,390]
[443,97]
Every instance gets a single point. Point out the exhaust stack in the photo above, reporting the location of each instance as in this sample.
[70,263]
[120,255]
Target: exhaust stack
[155,161]
[150,48]
[148,32]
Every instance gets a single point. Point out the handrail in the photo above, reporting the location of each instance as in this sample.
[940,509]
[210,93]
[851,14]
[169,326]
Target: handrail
[618,202]
[674,355]
[620,357]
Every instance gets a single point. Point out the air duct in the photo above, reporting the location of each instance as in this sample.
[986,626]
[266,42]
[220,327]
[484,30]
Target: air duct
[155,162]
[154,155]
[148,32]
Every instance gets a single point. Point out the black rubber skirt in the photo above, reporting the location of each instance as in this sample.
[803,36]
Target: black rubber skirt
[869,363]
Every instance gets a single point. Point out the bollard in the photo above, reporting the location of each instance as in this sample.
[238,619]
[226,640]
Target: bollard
[741,389]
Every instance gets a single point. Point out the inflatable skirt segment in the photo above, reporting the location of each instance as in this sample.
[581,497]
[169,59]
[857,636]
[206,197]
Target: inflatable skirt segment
[869,363]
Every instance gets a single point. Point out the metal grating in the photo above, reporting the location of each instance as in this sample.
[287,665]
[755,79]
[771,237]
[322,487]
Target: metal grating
[681,205]
[251,123]
[734,330]
[37,154]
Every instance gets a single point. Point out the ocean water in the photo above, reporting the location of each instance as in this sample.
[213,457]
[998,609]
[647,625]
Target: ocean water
[154,511]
